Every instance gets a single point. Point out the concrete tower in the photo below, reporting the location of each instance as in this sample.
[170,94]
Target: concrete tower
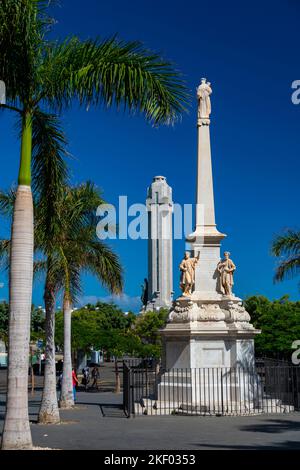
[160,266]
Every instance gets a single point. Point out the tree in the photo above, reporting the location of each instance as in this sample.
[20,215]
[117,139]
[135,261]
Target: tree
[279,321]
[147,329]
[118,343]
[103,326]
[37,324]
[287,246]
[49,176]
[76,249]
[40,73]
[4,321]
[89,322]
[49,173]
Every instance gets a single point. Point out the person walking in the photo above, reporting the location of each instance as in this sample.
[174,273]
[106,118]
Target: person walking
[95,377]
[86,377]
[75,383]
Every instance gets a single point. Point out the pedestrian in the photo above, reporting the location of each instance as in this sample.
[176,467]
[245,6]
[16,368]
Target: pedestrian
[86,377]
[95,377]
[75,382]
[59,382]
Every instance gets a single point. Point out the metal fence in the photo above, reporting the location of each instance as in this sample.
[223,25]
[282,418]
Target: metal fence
[150,390]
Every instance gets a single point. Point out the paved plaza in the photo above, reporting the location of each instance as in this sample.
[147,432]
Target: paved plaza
[98,422]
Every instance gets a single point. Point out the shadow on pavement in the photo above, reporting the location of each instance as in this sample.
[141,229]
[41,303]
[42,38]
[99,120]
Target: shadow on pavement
[273,426]
[286,445]
[108,410]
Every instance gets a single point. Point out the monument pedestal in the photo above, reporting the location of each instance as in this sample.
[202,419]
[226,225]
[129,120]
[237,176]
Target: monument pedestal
[210,333]
[208,355]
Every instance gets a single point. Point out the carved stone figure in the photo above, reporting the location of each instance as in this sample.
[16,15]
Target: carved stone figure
[204,105]
[226,268]
[145,292]
[187,278]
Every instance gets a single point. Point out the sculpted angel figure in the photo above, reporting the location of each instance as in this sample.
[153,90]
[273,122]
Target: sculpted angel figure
[226,268]
[204,105]
[187,277]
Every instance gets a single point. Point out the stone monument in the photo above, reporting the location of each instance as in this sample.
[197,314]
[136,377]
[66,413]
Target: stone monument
[208,325]
[158,288]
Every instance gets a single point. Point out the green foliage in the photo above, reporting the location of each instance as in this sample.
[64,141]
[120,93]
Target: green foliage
[100,326]
[147,329]
[66,233]
[279,321]
[4,310]
[37,322]
[105,326]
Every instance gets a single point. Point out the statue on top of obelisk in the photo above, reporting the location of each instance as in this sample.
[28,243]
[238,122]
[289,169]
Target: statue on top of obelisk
[204,106]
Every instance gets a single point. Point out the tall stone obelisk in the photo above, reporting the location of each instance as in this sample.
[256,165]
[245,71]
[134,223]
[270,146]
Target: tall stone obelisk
[208,325]
[206,238]
[160,267]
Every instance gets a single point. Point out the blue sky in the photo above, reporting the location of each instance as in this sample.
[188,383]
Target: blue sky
[248,50]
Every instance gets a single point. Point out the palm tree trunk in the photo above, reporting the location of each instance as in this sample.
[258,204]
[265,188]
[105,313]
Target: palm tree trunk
[49,413]
[67,399]
[16,434]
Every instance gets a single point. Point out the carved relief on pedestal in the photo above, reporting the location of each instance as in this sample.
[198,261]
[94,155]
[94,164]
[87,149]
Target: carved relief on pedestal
[229,311]
[210,312]
[185,310]
[239,315]
[180,312]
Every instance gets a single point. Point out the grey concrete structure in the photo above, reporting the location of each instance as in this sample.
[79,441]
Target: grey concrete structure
[160,267]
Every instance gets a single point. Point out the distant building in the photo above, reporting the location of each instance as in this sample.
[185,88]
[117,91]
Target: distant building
[158,288]
[3,354]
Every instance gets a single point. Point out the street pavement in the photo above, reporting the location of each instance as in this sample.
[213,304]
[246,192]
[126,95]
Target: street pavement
[98,422]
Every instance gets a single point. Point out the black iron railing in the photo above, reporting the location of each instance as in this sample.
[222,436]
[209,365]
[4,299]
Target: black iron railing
[151,390]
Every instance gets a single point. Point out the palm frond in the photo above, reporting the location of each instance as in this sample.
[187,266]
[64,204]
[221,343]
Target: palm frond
[23,24]
[75,247]
[50,174]
[4,254]
[287,243]
[113,72]
[101,261]
[7,201]
[49,169]
[288,268]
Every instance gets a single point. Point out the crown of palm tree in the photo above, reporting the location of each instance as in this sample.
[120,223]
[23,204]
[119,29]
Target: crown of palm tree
[96,72]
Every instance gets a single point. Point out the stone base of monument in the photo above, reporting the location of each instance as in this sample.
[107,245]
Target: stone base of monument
[154,407]
[215,332]
[208,356]
[208,363]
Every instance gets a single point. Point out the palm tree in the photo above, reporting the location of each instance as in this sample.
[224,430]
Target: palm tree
[70,246]
[287,246]
[56,205]
[40,73]
[76,249]
[49,174]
